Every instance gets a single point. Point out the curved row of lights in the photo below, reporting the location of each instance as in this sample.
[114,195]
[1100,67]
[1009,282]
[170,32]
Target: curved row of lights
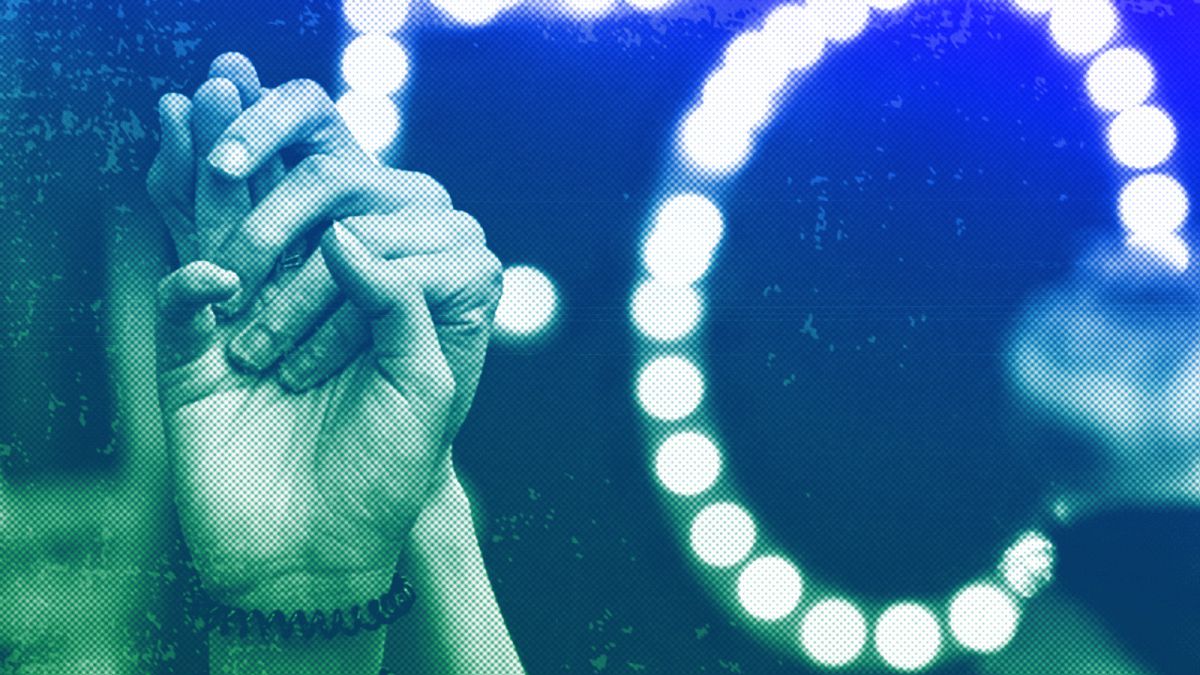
[715,139]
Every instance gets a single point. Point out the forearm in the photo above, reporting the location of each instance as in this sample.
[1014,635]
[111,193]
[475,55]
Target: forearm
[456,626]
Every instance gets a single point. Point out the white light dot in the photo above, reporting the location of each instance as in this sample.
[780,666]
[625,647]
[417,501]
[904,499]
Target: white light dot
[586,9]
[670,388]
[1171,248]
[687,463]
[1081,27]
[528,303]
[663,311]
[722,534]
[983,618]
[769,588]
[1034,7]
[714,143]
[374,64]
[1119,79]
[1153,205]
[375,16]
[793,37]
[887,5]
[840,20]
[686,231]
[473,12]
[1028,565]
[833,632]
[373,119]
[650,5]
[1142,137]
[907,636]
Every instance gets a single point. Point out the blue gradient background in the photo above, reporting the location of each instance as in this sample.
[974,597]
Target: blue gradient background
[919,187]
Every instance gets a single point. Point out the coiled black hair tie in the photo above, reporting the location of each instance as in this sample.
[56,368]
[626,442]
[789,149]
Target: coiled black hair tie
[382,611]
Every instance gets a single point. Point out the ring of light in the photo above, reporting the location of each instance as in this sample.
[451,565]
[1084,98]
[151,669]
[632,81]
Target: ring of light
[715,139]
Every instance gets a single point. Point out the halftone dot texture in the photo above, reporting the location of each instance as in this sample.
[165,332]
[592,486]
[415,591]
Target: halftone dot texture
[1084,354]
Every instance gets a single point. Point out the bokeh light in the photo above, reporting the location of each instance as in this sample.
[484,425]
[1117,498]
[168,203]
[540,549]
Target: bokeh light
[769,588]
[374,64]
[833,632]
[373,119]
[375,16]
[1142,137]
[840,20]
[722,534]
[687,463]
[473,12]
[1028,565]
[907,636]
[983,618]
[686,231]
[663,311]
[714,144]
[528,303]
[670,388]
[1082,27]
[1119,79]
[1153,205]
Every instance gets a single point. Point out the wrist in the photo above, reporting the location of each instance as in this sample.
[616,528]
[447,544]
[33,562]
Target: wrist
[265,626]
[310,590]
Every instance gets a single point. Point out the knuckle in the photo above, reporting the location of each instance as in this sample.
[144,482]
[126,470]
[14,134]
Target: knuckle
[315,167]
[423,191]
[466,229]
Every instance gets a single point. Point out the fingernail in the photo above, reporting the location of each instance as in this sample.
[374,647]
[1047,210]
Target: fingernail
[256,348]
[230,158]
[231,306]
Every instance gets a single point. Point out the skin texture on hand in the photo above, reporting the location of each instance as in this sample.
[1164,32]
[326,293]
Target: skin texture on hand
[300,499]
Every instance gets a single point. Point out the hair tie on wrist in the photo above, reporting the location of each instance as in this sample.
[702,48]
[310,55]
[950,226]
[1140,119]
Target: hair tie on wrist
[381,611]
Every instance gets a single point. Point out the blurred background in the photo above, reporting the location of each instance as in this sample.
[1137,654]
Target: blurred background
[916,191]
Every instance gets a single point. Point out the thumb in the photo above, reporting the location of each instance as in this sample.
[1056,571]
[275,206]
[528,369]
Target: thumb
[392,294]
[186,323]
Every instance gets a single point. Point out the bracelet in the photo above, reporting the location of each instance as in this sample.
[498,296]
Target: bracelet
[381,611]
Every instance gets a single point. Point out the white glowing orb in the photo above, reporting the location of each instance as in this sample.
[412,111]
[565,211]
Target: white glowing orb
[528,303]
[372,118]
[1034,7]
[687,463]
[983,618]
[650,5]
[1082,27]
[375,16]
[1028,565]
[722,534]
[887,5]
[840,20]
[1153,205]
[686,231]
[374,64]
[833,632]
[1171,248]
[1142,137]
[474,12]
[793,37]
[1119,79]
[663,311]
[670,388]
[713,143]
[769,588]
[585,9]
[742,100]
[907,636]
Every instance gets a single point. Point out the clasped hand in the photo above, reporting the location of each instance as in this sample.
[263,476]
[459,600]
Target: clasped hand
[309,411]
